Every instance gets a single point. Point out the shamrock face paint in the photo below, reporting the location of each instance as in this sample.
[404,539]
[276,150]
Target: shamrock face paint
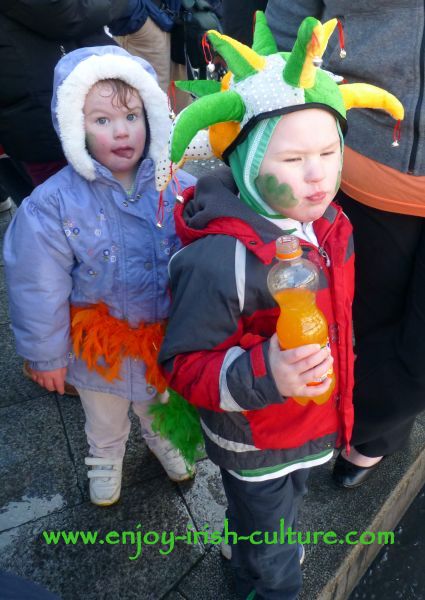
[300,169]
[275,193]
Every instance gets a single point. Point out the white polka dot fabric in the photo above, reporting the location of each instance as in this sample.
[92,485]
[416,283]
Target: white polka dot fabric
[270,92]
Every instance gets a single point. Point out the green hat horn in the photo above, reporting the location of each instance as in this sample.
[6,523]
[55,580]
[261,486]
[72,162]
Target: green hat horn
[264,42]
[206,111]
[306,55]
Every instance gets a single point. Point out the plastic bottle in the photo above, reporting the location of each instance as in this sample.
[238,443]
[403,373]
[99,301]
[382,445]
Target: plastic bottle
[293,283]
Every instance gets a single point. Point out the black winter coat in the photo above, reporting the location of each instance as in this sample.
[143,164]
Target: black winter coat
[33,37]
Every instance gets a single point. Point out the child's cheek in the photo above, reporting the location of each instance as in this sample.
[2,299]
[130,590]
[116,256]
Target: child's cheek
[97,145]
[274,193]
[91,142]
[338,181]
[140,141]
[338,177]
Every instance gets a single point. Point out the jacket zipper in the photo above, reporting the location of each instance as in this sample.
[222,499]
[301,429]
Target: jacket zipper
[325,261]
[417,116]
[324,255]
[321,247]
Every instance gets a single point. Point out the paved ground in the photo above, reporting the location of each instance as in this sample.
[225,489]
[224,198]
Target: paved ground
[44,488]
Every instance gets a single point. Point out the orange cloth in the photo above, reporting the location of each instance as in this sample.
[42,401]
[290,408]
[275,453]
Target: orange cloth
[382,187]
[97,335]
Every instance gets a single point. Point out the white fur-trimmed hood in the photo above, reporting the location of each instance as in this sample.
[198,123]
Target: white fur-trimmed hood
[76,73]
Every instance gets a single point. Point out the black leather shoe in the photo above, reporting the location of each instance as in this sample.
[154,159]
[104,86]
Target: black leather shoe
[347,475]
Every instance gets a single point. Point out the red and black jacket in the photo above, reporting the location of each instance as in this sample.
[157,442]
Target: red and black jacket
[215,351]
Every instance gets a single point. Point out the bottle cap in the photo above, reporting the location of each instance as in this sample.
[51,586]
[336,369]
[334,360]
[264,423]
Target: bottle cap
[288,247]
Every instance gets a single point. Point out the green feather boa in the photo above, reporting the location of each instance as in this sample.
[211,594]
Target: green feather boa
[178,421]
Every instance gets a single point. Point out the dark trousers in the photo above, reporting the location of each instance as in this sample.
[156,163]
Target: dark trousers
[389,326]
[238,18]
[272,570]
[14,587]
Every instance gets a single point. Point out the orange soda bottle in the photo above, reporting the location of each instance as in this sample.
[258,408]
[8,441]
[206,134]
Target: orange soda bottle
[293,283]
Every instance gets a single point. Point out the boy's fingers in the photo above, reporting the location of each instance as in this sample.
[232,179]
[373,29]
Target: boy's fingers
[313,360]
[301,353]
[318,371]
[309,391]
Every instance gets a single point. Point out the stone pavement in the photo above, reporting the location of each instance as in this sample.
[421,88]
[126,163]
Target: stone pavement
[44,488]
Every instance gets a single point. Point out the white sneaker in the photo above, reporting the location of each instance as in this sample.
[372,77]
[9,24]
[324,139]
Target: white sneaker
[105,479]
[171,459]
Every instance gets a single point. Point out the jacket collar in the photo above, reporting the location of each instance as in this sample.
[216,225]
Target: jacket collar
[213,207]
[145,172]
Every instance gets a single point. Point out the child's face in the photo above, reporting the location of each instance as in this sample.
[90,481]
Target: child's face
[115,135]
[300,172]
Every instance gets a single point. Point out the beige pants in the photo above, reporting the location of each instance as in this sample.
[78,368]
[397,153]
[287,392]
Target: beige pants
[154,45]
[108,423]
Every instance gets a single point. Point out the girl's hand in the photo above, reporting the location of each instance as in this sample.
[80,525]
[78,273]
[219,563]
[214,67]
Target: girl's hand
[294,369]
[54,380]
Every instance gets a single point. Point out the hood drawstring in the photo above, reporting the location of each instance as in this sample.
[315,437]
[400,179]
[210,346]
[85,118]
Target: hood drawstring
[342,51]
[177,190]
[206,49]
[396,134]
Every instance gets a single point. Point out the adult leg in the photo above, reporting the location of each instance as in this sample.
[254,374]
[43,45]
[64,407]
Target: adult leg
[389,386]
[179,99]
[152,44]
[272,569]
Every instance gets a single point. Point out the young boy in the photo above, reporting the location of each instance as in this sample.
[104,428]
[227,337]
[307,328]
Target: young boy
[86,262]
[277,119]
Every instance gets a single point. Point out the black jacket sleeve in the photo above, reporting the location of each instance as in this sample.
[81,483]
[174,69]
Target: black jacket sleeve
[63,19]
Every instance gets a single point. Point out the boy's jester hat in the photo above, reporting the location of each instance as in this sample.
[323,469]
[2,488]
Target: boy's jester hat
[260,83]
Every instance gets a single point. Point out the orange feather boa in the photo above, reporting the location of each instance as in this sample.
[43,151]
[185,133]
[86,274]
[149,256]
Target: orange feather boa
[97,335]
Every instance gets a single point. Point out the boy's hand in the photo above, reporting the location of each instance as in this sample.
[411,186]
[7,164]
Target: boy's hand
[294,369]
[53,380]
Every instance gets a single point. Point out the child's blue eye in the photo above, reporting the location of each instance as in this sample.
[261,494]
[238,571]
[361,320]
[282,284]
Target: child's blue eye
[102,120]
[131,117]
